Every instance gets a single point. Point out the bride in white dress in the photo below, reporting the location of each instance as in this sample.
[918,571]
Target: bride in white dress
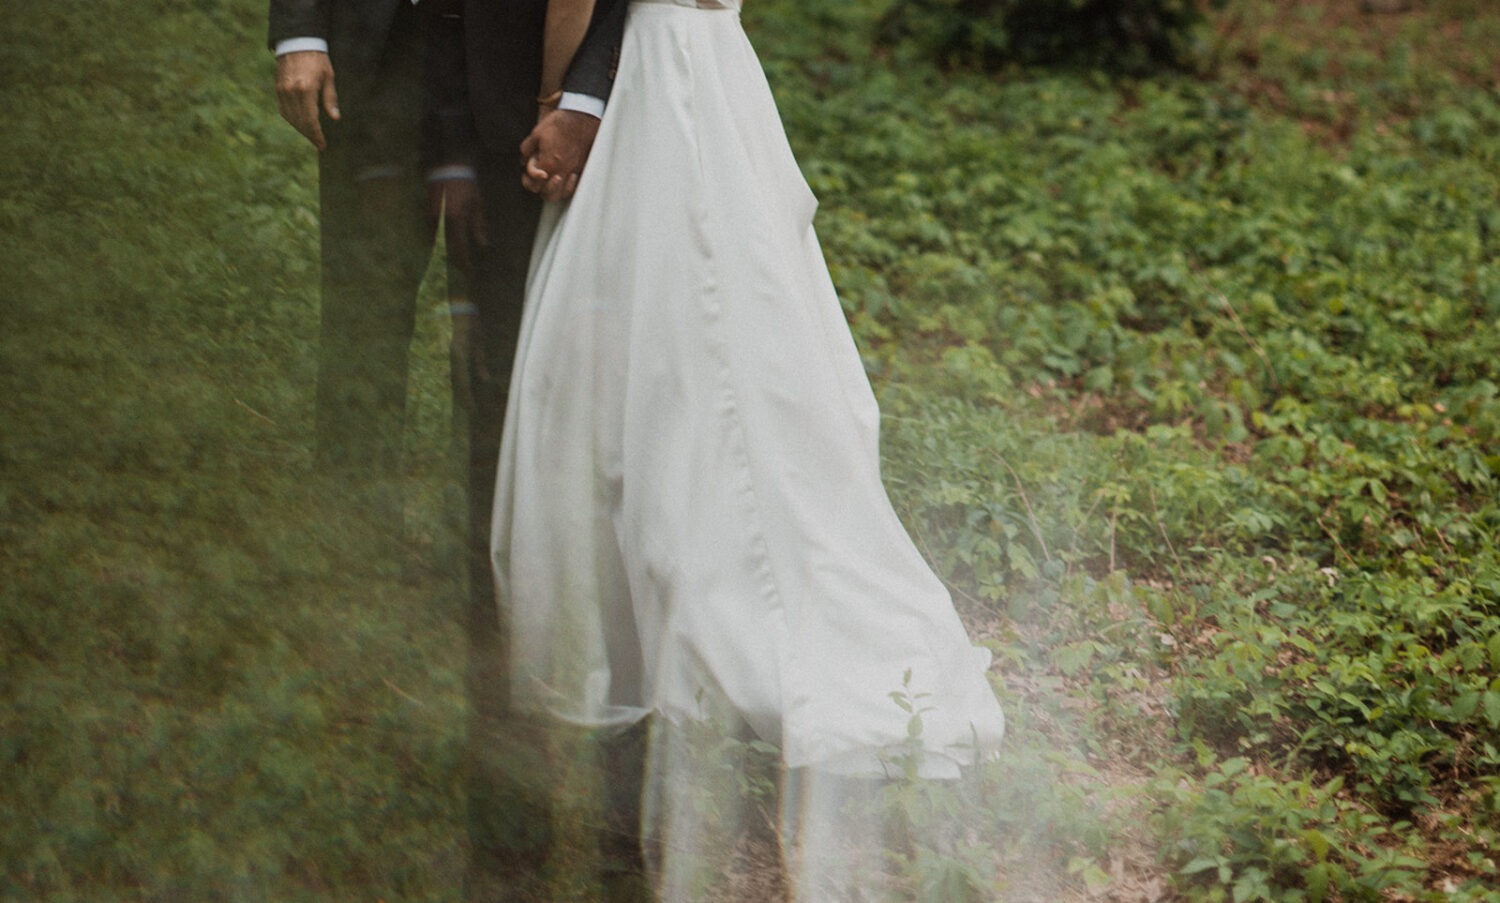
[689,517]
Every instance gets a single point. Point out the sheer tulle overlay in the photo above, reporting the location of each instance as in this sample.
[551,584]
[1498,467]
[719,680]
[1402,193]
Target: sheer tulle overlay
[689,516]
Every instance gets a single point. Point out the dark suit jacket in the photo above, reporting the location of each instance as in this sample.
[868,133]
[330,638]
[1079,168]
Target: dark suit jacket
[357,32]
[482,79]
[493,74]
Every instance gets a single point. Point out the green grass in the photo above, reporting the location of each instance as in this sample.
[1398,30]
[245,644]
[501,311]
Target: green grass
[1190,393]
[212,691]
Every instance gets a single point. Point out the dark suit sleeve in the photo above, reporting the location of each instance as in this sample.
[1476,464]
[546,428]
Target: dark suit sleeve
[592,71]
[297,19]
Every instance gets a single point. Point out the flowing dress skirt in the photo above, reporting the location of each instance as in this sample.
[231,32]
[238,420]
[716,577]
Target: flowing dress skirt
[689,501]
[689,513]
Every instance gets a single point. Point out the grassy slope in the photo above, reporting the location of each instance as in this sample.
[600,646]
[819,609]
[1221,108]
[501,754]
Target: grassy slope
[209,689]
[1193,409]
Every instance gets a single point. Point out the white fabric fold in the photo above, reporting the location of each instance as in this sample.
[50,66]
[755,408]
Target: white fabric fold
[689,504]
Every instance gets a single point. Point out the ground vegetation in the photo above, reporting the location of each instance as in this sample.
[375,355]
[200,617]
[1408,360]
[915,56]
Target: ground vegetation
[1190,394]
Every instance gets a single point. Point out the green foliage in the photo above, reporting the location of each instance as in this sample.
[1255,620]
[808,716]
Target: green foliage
[1122,35]
[1247,835]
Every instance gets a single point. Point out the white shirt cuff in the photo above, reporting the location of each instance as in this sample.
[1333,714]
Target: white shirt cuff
[582,103]
[452,172]
[300,45]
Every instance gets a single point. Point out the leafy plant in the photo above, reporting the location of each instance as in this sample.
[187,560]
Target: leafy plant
[1125,35]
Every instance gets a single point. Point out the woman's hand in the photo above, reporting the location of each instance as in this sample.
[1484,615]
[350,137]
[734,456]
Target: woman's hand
[555,152]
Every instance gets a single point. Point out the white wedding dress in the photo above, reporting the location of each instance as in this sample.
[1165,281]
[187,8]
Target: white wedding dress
[689,513]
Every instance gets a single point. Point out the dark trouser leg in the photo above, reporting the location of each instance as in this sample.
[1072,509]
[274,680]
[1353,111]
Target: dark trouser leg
[376,244]
[623,767]
[509,777]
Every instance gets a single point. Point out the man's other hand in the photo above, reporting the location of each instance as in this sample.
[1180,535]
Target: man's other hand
[303,81]
[555,152]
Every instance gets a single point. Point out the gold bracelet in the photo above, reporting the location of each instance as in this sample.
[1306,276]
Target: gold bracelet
[550,99]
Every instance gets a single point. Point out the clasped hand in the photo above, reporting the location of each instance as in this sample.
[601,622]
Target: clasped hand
[555,151]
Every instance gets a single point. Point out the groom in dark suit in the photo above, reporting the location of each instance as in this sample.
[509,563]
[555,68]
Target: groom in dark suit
[348,77]
[414,108]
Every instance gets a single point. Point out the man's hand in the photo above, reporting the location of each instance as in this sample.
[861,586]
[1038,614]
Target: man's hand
[303,80]
[555,152]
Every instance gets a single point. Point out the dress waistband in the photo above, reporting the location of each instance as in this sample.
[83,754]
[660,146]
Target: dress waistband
[697,4]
